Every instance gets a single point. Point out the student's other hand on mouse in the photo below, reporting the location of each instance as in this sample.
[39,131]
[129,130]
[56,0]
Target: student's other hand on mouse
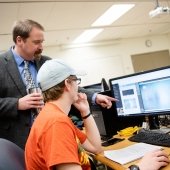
[154,160]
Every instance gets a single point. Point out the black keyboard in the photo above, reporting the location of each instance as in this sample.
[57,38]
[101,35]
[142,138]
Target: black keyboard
[150,137]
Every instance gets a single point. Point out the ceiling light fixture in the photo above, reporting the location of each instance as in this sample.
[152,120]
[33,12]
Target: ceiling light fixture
[112,14]
[87,35]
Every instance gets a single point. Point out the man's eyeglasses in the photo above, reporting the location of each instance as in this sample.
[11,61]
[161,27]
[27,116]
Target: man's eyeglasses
[78,80]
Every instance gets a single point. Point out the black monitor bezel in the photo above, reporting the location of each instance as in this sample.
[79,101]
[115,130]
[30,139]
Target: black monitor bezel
[135,74]
[94,87]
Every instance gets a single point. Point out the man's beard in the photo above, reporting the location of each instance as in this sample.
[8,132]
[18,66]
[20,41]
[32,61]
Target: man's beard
[37,54]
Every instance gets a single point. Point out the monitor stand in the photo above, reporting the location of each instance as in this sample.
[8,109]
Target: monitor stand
[152,122]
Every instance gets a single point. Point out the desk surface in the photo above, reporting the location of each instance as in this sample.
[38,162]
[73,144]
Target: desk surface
[114,165]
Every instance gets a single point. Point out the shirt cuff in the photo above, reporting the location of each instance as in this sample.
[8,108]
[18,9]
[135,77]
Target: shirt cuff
[94,99]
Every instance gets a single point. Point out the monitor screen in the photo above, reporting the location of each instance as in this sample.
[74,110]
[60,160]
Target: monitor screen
[144,93]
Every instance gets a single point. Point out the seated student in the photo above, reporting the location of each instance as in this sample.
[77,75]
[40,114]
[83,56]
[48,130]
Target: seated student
[54,142]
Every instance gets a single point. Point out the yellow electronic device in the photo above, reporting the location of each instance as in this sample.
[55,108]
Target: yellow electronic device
[129,131]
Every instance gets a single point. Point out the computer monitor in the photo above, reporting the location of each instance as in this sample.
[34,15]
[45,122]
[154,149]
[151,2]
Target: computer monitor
[97,87]
[104,85]
[145,93]
[108,122]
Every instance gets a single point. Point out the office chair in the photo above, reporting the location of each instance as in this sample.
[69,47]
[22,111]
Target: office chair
[11,156]
[92,164]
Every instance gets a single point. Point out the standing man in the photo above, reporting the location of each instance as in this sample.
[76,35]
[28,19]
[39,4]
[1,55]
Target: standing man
[15,103]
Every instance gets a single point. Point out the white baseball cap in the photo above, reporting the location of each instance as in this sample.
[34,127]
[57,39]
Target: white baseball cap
[53,72]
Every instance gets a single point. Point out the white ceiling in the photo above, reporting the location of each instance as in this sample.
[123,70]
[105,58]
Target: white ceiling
[65,20]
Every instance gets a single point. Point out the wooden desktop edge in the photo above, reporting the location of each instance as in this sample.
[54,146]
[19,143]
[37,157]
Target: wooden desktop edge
[100,157]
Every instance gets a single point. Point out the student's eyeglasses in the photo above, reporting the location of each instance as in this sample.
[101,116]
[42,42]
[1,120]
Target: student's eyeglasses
[78,80]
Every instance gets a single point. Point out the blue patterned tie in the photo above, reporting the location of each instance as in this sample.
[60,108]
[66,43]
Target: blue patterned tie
[30,84]
[27,76]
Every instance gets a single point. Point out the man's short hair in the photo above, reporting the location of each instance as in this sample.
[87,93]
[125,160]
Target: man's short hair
[23,28]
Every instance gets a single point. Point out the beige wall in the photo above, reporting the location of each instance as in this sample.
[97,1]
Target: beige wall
[109,59]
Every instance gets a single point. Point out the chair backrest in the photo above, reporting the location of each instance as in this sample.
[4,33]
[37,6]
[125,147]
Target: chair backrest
[11,156]
[92,164]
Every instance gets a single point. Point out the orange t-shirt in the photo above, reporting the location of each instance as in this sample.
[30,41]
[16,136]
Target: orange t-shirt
[52,140]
